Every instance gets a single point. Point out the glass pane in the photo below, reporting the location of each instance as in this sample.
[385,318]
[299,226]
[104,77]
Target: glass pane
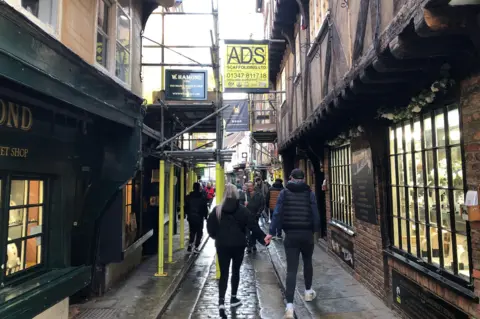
[404,223]
[417,136]
[399,140]
[401,170]
[445,210]
[462,255]
[35,220]
[395,233]
[31,6]
[392,170]
[458,200]
[439,128]
[35,192]
[102,17]
[409,170]
[454,126]
[16,223]
[423,241]
[457,171]
[421,204]
[447,251]
[413,239]
[419,168]
[14,257]
[408,138]
[18,193]
[122,69]
[34,251]
[432,207]
[427,132]
[392,141]
[403,209]
[102,49]
[123,28]
[394,201]
[411,204]
[442,168]
[430,168]
[434,245]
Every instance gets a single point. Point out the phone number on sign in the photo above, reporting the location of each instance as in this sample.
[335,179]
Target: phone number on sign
[253,76]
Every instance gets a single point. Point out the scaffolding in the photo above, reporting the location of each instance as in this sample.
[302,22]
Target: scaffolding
[205,116]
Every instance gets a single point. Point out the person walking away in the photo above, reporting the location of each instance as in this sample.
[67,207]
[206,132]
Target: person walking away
[296,213]
[196,210]
[271,202]
[210,194]
[227,224]
[254,203]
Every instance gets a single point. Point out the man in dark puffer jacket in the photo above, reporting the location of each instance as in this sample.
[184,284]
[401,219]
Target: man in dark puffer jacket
[296,213]
[196,211]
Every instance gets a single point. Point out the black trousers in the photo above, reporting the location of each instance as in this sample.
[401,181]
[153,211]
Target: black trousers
[225,256]
[294,246]
[251,237]
[196,231]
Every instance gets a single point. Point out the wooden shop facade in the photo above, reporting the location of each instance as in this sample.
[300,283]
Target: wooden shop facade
[382,104]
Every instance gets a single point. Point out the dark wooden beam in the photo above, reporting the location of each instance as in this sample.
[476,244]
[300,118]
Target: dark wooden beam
[361,28]
[388,63]
[328,64]
[371,76]
[359,88]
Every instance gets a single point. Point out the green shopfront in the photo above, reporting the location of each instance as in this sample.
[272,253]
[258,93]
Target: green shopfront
[70,139]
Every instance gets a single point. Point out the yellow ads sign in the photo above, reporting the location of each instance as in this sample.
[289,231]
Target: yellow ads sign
[246,66]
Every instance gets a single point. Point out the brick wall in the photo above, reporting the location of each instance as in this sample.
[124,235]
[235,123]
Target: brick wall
[367,242]
[78,27]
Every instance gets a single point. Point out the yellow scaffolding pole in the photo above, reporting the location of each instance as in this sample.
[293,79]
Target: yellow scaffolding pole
[220,186]
[171,220]
[182,204]
[161,219]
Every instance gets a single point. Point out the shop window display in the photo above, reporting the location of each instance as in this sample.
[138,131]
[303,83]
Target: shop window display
[25,224]
[129,215]
[341,185]
[427,190]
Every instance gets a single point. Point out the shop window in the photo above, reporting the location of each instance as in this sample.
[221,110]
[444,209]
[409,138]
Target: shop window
[129,214]
[318,12]
[341,185]
[103,36]
[427,190]
[122,56]
[45,10]
[25,203]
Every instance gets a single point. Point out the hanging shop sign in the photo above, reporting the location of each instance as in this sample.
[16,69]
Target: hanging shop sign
[342,247]
[362,181]
[419,303]
[186,85]
[246,66]
[236,116]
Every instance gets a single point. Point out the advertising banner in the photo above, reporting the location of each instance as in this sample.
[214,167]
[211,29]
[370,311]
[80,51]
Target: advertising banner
[246,66]
[236,116]
[186,85]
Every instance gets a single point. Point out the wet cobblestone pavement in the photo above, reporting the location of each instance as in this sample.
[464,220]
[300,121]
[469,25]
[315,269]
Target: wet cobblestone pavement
[207,306]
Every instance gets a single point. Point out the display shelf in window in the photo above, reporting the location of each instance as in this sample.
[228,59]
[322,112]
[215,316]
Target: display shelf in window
[427,191]
[25,225]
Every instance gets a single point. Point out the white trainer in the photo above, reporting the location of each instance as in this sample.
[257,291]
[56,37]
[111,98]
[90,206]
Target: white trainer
[309,296]
[289,314]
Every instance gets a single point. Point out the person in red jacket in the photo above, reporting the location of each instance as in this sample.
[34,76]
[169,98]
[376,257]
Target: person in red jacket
[210,191]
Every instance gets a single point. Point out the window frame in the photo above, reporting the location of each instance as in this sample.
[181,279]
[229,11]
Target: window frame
[297,58]
[111,65]
[53,30]
[117,42]
[338,170]
[440,269]
[6,178]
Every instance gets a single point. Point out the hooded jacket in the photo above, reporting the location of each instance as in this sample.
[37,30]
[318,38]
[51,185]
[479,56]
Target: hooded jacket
[296,210]
[196,207]
[230,229]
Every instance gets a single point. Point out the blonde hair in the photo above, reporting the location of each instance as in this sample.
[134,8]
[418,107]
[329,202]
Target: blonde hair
[230,191]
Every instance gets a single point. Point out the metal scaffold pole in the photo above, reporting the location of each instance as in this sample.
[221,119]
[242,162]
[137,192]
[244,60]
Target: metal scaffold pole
[182,207]
[171,220]
[161,219]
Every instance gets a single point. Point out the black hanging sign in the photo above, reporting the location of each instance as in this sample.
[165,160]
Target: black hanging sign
[236,116]
[186,85]
[362,181]
[419,303]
